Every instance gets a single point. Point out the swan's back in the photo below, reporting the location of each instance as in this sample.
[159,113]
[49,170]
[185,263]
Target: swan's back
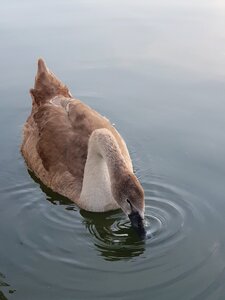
[57,132]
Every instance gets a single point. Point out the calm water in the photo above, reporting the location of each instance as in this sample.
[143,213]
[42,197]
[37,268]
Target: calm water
[155,69]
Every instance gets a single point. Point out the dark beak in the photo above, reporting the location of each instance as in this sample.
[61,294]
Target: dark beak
[138,223]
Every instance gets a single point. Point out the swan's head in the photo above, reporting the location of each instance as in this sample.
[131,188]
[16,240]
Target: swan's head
[129,194]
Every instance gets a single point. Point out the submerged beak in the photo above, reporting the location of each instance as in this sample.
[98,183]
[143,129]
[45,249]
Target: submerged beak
[138,223]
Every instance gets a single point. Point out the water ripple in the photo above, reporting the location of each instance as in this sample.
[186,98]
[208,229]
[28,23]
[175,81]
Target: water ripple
[80,240]
[112,234]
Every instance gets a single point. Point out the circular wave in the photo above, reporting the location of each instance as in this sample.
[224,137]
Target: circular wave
[80,242]
[111,233]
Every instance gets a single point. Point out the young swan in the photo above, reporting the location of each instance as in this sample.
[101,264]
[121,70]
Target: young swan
[78,153]
[106,169]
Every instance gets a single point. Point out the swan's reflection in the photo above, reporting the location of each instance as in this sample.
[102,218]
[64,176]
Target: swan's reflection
[113,235]
[51,196]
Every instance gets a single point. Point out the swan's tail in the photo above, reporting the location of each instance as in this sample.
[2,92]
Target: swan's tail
[47,85]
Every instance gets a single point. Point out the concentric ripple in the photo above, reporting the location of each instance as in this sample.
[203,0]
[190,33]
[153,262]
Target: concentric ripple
[54,234]
[110,233]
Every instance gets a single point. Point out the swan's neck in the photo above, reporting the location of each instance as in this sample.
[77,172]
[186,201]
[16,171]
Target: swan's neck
[104,165]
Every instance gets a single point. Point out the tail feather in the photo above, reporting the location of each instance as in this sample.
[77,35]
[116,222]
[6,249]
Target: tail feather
[42,68]
[47,85]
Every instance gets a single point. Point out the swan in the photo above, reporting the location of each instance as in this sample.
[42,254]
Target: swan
[77,152]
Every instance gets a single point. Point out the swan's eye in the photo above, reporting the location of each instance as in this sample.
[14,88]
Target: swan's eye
[129,202]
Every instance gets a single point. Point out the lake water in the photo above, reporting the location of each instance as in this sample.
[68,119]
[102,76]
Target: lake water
[156,70]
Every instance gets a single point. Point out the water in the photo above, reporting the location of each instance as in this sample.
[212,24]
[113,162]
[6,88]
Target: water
[155,69]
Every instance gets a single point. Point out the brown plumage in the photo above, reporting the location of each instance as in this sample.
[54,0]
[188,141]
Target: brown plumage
[56,140]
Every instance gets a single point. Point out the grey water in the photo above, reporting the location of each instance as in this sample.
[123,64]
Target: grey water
[156,70]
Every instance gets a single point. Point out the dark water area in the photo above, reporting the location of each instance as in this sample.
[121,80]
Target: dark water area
[156,70]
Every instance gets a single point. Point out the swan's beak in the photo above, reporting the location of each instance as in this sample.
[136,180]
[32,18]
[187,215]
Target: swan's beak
[138,223]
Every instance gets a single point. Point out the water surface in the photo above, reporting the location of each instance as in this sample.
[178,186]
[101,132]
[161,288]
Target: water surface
[156,70]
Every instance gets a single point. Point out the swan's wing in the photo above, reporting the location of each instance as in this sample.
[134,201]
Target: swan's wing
[64,132]
[59,146]
[64,125]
